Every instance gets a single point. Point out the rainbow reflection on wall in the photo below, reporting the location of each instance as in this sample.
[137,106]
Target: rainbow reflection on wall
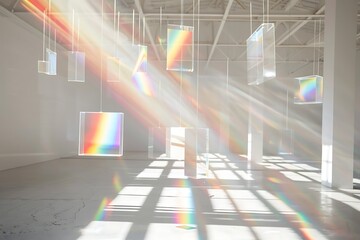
[180,54]
[309,90]
[101,133]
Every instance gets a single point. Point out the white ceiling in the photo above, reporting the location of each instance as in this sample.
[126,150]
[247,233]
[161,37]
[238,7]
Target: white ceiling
[224,24]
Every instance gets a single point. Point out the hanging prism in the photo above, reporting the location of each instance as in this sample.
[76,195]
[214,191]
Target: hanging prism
[51,60]
[76,66]
[101,133]
[309,90]
[180,48]
[261,64]
[141,62]
[286,146]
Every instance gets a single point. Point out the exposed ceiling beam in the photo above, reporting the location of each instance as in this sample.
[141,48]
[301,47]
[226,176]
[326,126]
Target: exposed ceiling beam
[240,4]
[153,45]
[291,4]
[297,26]
[220,30]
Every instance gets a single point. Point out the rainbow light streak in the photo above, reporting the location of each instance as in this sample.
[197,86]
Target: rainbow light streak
[303,219]
[179,46]
[141,62]
[144,83]
[100,213]
[185,217]
[101,133]
[116,182]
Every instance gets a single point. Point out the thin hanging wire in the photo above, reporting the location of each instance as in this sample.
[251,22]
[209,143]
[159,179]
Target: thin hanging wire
[133,27]
[139,25]
[73,30]
[320,25]
[117,35]
[181,67]
[44,33]
[251,19]
[78,35]
[263,11]
[287,109]
[160,83]
[144,26]
[268,11]
[114,27]
[314,48]
[49,22]
[198,67]
[55,41]
[101,58]
[182,12]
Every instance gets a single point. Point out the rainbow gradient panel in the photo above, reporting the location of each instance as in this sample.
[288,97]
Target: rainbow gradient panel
[309,90]
[101,133]
[76,66]
[180,48]
[261,63]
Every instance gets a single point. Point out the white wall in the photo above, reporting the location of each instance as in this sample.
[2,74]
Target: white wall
[38,113]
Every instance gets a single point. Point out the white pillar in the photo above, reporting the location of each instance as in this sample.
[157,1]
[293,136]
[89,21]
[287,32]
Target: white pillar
[339,93]
[255,132]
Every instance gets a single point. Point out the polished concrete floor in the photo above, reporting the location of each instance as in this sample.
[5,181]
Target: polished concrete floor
[140,198]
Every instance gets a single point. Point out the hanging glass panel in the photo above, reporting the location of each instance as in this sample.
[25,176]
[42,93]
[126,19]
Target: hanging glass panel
[309,90]
[51,59]
[286,145]
[76,66]
[141,62]
[180,48]
[261,63]
[156,143]
[43,66]
[101,133]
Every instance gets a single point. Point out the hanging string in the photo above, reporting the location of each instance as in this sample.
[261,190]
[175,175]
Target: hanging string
[101,53]
[251,19]
[287,109]
[133,27]
[55,40]
[319,46]
[182,12]
[198,67]
[44,33]
[268,11]
[144,26]
[263,12]
[49,22]
[139,25]
[78,35]
[314,48]
[117,35]
[73,30]
[114,27]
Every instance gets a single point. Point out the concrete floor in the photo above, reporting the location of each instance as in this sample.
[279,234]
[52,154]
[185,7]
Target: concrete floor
[137,198]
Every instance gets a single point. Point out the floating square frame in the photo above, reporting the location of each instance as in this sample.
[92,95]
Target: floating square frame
[261,62]
[309,90]
[101,133]
[180,48]
[76,66]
